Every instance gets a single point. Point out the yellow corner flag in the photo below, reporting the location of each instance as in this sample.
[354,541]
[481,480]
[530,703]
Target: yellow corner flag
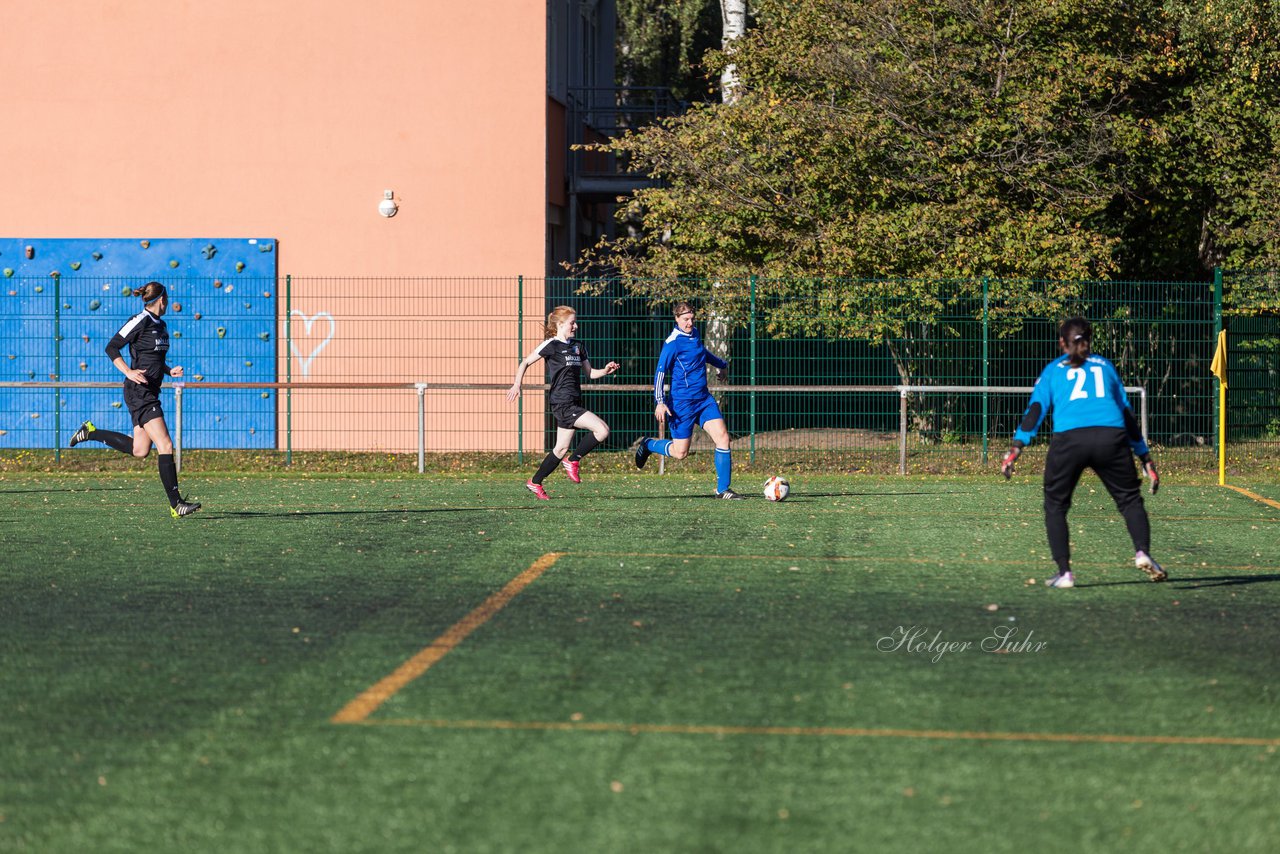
[1219,366]
[1219,369]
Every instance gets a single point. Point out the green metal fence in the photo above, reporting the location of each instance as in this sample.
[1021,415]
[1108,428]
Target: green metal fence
[817,366]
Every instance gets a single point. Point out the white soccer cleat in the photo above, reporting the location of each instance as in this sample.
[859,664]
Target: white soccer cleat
[1061,581]
[1154,571]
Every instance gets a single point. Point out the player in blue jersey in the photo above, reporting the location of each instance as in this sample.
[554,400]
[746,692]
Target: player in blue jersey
[683,363]
[1093,427]
[147,337]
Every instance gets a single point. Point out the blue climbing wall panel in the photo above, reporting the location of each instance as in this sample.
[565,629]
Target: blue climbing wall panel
[61,300]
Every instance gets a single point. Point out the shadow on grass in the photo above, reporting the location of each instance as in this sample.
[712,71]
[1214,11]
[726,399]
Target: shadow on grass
[1192,583]
[403,511]
[64,489]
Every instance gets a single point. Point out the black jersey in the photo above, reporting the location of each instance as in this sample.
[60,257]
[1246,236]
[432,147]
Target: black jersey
[148,340]
[564,368]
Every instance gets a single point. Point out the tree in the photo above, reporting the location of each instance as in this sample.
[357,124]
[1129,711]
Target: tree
[893,142]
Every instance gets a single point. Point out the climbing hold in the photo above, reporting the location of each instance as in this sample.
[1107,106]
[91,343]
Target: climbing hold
[248,364]
[75,265]
[217,283]
[265,336]
[239,266]
[106,287]
[85,337]
[12,357]
[145,244]
[198,315]
[30,252]
[177,334]
[252,431]
[229,289]
[222,332]
[54,274]
[115,404]
[265,395]
[126,291]
[35,415]
[199,377]
[8,272]
[177,306]
[248,306]
[84,366]
[267,294]
[209,251]
[264,247]
[95,305]
[97,256]
[173,262]
[39,289]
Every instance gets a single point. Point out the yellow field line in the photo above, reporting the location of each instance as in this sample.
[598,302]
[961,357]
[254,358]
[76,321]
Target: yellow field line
[364,705]
[1254,496]
[841,732]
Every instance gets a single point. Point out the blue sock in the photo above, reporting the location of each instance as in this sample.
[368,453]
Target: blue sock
[659,446]
[724,468]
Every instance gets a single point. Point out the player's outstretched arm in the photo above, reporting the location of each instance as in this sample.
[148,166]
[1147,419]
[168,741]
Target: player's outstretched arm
[1006,464]
[597,373]
[514,391]
[1149,469]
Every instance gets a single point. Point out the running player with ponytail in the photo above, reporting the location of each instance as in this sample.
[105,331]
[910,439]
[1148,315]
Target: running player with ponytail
[147,337]
[566,360]
[1093,427]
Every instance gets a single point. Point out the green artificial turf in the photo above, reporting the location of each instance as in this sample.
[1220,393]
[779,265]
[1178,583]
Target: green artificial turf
[688,675]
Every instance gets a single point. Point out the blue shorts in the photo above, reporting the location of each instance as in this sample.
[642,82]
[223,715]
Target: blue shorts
[684,415]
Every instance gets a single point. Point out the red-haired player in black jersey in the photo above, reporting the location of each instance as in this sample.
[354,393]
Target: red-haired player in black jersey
[148,339]
[566,359]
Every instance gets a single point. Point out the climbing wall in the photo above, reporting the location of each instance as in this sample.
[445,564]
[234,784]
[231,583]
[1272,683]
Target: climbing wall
[61,300]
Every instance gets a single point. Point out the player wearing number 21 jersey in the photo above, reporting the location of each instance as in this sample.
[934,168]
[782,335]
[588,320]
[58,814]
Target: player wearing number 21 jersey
[1093,427]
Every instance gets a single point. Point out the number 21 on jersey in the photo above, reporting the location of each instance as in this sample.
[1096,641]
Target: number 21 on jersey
[1080,377]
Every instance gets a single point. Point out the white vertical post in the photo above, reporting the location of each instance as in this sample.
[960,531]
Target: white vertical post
[422,426]
[177,424]
[902,429]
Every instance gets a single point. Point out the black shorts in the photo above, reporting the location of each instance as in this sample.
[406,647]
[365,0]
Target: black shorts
[566,414]
[143,402]
[1106,450]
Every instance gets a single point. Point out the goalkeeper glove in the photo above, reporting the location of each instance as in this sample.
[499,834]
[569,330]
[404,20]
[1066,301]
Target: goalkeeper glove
[1006,465]
[1149,469]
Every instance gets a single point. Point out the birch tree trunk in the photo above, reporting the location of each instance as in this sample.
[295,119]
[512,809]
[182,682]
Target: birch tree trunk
[733,20]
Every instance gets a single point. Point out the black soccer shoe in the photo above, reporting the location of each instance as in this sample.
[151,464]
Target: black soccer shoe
[642,453]
[731,495]
[184,508]
[82,435]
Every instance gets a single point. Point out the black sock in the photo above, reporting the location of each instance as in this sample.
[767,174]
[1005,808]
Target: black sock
[169,477]
[118,441]
[586,446]
[547,467]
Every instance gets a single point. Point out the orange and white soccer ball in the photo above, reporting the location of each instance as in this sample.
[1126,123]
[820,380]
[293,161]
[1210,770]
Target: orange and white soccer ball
[776,488]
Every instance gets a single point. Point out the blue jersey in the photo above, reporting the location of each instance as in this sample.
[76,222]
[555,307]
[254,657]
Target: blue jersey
[683,363]
[1088,396]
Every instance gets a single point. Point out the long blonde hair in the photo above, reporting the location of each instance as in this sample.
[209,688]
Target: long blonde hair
[558,315]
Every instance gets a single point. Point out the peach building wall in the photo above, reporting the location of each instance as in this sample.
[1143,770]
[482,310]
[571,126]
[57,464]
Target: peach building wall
[138,118]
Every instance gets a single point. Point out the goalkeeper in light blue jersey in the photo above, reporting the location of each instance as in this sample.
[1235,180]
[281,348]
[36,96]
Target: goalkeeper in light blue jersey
[1093,427]
[683,364]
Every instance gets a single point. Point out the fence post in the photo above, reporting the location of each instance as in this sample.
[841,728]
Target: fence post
[753,369]
[57,369]
[422,426]
[288,370]
[986,364]
[902,429]
[520,356]
[177,426]
[1218,415]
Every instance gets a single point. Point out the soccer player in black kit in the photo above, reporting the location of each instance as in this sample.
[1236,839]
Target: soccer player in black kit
[566,359]
[148,339]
